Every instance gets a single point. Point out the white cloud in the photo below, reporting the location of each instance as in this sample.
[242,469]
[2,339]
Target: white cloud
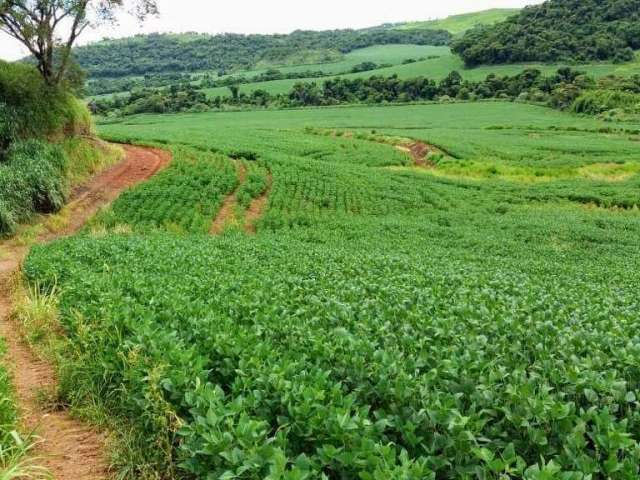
[277,16]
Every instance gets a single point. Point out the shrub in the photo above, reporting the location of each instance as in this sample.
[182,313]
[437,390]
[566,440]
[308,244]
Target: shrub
[33,179]
[31,109]
[595,102]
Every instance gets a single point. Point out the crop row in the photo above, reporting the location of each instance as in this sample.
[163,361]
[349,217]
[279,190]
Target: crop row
[185,197]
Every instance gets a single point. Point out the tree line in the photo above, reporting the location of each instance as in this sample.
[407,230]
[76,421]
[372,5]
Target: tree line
[563,90]
[557,31]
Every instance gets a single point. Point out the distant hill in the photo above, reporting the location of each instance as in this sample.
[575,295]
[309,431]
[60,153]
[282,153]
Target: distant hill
[167,53]
[457,24]
[557,31]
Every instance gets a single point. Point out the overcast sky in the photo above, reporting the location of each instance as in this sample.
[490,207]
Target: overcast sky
[277,16]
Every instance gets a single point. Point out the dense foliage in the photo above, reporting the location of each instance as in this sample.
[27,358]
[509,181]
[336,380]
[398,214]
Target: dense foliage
[387,322]
[31,109]
[33,172]
[557,30]
[187,53]
[32,180]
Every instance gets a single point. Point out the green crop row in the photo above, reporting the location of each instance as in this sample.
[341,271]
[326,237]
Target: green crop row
[255,184]
[185,197]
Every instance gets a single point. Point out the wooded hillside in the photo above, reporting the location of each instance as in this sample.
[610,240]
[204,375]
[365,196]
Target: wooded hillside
[557,31]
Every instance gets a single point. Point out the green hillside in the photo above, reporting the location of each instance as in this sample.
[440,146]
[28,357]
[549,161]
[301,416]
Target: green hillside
[438,68]
[457,24]
[557,31]
[155,54]
[385,321]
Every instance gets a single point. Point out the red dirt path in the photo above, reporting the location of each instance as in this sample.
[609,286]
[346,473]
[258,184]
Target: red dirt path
[70,449]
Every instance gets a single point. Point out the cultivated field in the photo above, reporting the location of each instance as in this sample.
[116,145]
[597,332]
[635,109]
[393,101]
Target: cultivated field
[467,310]
[432,62]
[437,68]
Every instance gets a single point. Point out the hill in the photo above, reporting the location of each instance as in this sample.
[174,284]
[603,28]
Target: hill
[458,24]
[163,53]
[557,30]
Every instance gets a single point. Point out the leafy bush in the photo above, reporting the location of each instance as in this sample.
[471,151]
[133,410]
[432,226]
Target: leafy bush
[33,179]
[31,109]
[595,102]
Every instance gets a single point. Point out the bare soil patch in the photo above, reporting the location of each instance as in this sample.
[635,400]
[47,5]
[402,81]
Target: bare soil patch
[226,214]
[420,153]
[256,209]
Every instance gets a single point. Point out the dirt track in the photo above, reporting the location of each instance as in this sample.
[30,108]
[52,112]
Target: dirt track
[227,211]
[70,449]
[256,209]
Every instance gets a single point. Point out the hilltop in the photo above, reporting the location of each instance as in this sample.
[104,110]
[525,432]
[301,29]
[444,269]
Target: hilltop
[557,31]
[458,24]
[164,53]
[189,52]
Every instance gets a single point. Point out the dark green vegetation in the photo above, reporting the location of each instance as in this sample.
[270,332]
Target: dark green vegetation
[566,89]
[33,180]
[557,31]
[33,172]
[43,152]
[188,53]
[31,109]
[476,320]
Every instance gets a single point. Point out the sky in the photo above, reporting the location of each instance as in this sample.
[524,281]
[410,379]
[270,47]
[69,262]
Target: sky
[276,16]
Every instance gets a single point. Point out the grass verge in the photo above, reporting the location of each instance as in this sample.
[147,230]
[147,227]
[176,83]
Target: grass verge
[14,446]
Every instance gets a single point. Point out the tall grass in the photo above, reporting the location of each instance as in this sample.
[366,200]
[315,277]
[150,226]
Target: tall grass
[14,447]
[31,109]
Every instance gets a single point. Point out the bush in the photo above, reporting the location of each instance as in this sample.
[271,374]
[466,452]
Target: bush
[31,109]
[596,102]
[32,180]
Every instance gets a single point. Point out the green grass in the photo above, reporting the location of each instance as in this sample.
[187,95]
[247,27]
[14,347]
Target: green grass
[477,320]
[14,447]
[438,68]
[457,24]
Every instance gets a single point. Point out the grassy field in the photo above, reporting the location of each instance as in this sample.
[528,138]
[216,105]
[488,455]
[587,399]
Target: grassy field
[476,319]
[437,69]
[457,24]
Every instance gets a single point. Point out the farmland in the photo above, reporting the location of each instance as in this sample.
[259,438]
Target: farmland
[432,62]
[471,318]
[438,68]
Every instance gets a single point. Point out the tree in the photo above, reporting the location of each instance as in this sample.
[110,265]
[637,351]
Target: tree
[50,28]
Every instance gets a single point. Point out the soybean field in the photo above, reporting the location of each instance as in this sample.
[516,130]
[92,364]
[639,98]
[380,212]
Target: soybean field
[404,292]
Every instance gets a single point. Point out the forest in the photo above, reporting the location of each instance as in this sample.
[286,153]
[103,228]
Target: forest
[557,30]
